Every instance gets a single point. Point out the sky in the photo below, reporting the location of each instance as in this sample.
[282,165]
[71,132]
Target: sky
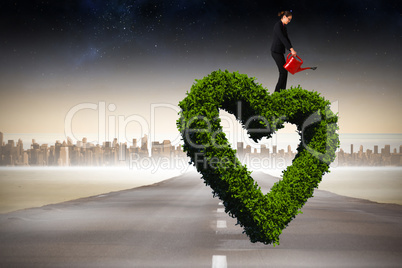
[119,68]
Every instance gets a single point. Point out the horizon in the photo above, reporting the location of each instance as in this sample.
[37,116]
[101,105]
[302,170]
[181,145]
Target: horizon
[289,139]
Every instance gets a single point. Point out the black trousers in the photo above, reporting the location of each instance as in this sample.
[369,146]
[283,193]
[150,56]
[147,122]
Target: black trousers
[283,74]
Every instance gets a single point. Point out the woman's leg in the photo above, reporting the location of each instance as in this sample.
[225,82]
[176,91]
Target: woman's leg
[283,74]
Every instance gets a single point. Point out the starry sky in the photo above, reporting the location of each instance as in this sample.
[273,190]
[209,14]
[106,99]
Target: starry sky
[130,55]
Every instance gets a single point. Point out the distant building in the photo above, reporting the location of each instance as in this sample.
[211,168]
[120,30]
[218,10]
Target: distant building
[107,144]
[122,151]
[115,143]
[44,155]
[248,149]
[264,150]
[144,145]
[20,152]
[64,159]
[69,141]
[240,148]
[387,150]
[156,148]
[134,143]
[57,150]
[167,148]
[25,159]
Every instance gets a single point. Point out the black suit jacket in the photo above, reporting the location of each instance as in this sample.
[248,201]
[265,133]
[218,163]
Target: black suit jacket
[280,39]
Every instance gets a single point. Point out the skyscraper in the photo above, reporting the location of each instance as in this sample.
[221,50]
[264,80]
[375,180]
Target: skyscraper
[361,151]
[144,142]
[57,149]
[20,151]
[122,151]
[240,148]
[64,159]
[387,150]
[264,150]
[134,143]
[167,147]
[107,144]
[45,152]
[115,143]
[69,141]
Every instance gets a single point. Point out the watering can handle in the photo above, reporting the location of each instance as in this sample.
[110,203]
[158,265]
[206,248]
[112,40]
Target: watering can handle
[294,57]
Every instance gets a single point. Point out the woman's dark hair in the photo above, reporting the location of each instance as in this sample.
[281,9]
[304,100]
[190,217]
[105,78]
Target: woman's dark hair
[284,13]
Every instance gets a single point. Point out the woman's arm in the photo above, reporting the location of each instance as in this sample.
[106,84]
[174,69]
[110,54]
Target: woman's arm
[285,41]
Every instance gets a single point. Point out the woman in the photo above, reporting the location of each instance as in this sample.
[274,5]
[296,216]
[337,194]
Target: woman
[280,43]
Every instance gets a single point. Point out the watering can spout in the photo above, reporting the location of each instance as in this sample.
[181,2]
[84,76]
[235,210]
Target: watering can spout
[293,66]
[302,69]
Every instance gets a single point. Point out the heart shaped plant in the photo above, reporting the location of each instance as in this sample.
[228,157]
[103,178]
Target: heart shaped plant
[263,217]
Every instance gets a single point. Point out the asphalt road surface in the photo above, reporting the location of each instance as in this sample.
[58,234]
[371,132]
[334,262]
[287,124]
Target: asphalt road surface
[177,223]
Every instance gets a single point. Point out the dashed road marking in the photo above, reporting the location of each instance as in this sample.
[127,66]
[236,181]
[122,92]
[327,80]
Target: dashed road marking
[219,261]
[221,224]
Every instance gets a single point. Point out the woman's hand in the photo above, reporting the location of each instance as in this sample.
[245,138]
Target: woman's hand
[293,52]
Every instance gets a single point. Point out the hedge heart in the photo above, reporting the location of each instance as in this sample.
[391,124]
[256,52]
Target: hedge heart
[263,217]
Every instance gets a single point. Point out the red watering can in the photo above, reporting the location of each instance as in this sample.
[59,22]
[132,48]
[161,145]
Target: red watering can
[293,65]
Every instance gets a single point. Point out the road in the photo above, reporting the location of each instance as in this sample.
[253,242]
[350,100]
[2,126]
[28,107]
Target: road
[177,223]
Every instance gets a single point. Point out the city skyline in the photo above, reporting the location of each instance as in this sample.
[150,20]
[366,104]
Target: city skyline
[113,153]
[281,138]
